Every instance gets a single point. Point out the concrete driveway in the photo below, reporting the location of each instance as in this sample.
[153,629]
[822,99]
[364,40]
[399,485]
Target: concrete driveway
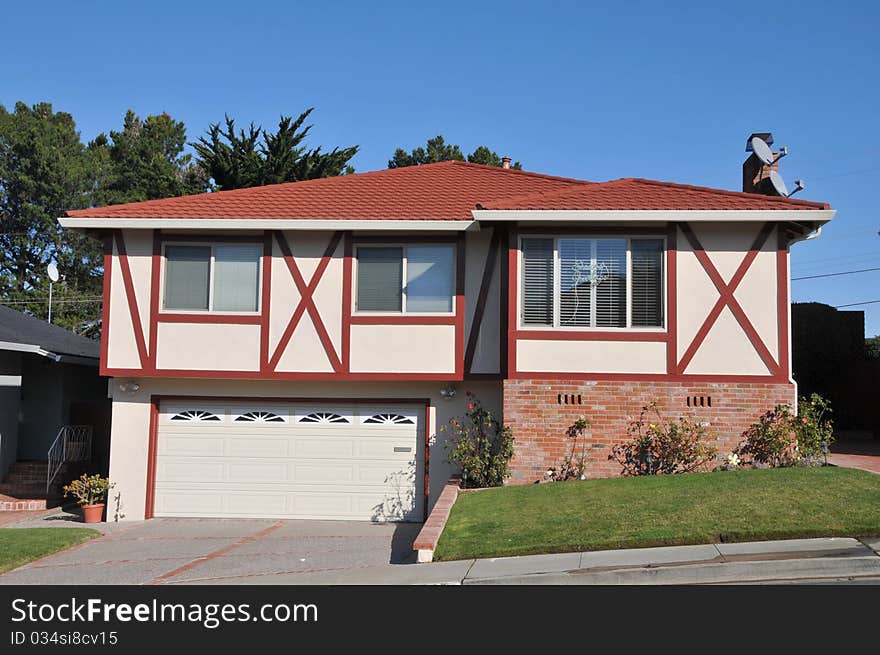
[180,551]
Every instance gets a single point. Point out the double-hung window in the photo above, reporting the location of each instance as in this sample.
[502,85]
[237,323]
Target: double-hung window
[219,278]
[574,282]
[405,279]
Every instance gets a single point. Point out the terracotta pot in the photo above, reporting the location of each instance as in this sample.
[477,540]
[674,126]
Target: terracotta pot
[93,513]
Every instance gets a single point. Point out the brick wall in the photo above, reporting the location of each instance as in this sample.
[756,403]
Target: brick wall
[539,421]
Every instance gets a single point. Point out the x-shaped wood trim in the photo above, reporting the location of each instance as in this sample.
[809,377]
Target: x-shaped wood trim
[307,302]
[727,299]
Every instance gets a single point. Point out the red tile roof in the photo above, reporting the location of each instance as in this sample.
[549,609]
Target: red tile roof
[637,193]
[442,191]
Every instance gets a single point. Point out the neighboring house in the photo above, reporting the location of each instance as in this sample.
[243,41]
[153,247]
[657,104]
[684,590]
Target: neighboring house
[48,380]
[290,350]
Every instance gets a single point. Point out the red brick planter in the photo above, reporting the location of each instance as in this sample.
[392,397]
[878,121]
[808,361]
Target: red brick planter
[426,543]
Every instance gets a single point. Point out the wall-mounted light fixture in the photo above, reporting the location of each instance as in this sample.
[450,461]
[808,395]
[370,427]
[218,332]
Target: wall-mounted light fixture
[129,387]
[448,392]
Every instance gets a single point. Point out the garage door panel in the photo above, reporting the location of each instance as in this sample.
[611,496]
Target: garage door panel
[290,461]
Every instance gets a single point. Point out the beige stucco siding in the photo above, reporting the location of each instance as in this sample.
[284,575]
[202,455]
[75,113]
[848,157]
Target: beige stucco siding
[487,351]
[593,356]
[131,421]
[208,347]
[403,348]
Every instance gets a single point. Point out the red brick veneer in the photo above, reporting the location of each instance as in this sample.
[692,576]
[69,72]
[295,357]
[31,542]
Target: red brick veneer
[539,422]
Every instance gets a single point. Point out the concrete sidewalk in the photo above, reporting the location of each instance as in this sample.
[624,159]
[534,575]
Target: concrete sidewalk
[836,560]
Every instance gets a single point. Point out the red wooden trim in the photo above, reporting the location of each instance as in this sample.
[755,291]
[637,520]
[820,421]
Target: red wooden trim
[589,335]
[266,301]
[647,377]
[512,302]
[427,482]
[208,239]
[152,447]
[782,302]
[484,377]
[482,298]
[200,374]
[672,299]
[460,265]
[403,319]
[217,319]
[588,230]
[357,400]
[395,238]
[506,300]
[105,306]
[347,268]
[727,299]
[125,269]
[155,294]
[307,302]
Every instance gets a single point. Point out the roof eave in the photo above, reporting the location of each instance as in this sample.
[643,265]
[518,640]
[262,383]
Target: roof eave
[98,223]
[818,216]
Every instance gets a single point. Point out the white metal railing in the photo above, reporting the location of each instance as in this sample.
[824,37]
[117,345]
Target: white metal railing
[73,444]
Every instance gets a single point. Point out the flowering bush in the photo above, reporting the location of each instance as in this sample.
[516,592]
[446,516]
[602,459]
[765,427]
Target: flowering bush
[813,426]
[772,439]
[480,446]
[574,464]
[664,445]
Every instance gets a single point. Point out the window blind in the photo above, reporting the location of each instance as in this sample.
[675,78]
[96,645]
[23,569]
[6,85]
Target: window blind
[537,302]
[236,278]
[611,288]
[187,275]
[380,279]
[647,282]
[429,278]
[575,275]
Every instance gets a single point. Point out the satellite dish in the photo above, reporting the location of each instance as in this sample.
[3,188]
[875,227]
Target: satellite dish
[52,270]
[778,184]
[762,151]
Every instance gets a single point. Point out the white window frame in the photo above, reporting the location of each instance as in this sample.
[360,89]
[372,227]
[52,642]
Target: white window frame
[211,267]
[557,283]
[403,311]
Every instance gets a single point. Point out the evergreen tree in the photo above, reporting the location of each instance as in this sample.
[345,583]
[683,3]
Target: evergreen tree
[437,150]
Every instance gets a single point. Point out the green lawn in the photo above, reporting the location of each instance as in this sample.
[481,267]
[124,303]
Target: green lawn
[21,545]
[694,508]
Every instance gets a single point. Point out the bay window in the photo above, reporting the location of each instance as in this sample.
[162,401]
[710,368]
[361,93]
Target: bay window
[405,279]
[574,282]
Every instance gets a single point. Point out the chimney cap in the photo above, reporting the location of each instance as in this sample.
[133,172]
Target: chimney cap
[766,137]
[505,162]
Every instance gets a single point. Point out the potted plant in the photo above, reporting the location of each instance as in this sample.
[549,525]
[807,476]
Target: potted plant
[90,492]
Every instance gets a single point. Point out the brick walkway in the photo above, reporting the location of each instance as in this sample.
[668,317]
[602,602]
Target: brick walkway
[864,455]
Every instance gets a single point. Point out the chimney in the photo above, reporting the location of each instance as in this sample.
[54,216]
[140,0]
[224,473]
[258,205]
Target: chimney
[505,162]
[755,173]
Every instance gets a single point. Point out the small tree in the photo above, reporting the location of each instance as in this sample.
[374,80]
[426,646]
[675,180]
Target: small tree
[813,426]
[574,464]
[480,446]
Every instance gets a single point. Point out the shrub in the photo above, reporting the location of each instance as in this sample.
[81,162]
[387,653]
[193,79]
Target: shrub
[772,439]
[480,446]
[812,426]
[574,464]
[663,445]
[88,489]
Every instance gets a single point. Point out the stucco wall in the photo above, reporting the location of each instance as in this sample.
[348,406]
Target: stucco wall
[131,421]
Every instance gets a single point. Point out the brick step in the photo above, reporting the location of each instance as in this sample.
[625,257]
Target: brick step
[30,490]
[18,476]
[13,504]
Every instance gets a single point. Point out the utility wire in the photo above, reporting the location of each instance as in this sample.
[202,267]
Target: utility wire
[42,300]
[812,277]
[854,304]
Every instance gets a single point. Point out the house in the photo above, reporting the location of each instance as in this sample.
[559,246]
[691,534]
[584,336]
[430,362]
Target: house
[49,383]
[292,350]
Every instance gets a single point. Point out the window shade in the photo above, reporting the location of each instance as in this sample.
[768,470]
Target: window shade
[429,279]
[187,274]
[611,288]
[537,257]
[647,282]
[379,279]
[236,278]
[575,288]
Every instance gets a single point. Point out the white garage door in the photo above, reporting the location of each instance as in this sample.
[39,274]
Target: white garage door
[247,459]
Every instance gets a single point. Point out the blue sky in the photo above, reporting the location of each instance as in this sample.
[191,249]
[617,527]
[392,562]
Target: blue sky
[660,90]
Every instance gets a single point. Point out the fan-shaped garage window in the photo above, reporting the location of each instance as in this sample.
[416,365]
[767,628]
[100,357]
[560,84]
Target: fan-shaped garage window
[389,419]
[322,417]
[259,417]
[195,415]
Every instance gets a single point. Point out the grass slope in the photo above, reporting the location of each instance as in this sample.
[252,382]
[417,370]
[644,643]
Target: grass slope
[21,545]
[745,505]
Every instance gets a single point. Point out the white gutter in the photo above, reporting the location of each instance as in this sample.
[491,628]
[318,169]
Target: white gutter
[655,215]
[267,224]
